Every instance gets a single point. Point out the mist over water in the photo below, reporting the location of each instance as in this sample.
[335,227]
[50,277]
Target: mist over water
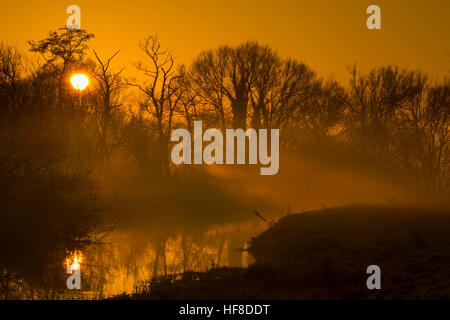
[88,170]
[214,208]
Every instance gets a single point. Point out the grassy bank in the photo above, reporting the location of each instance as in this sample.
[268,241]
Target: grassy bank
[324,255]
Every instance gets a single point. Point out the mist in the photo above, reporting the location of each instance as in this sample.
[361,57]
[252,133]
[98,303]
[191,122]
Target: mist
[90,170]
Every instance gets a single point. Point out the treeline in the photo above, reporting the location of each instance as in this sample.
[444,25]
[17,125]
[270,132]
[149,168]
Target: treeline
[52,136]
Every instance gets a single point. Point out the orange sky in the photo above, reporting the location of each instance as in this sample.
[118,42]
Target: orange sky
[326,34]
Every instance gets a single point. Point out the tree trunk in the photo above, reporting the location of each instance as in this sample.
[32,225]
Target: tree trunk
[185,254]
[219,253]
[156,263]
[163,251]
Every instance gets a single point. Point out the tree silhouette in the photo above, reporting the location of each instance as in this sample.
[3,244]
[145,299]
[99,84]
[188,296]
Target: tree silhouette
[110,86]
[61,50]
[162,93]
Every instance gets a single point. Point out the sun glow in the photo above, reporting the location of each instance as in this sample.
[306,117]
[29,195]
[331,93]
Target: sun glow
[74,259]
[79,81]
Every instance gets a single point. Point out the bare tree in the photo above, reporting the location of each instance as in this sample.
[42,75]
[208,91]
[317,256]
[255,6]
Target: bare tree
[280,88]
[423,145]
[110,86]
[374,102]
[232,79]
[11,72]
[161,92]
[322,114]
[224,78]
[61,50]
[208,74]
[189,100]
[163,96]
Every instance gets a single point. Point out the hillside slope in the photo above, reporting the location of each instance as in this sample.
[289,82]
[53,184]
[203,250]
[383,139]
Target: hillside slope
[328,251]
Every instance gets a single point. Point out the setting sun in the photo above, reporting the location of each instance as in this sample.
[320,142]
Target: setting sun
[79,81]
[74,259]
